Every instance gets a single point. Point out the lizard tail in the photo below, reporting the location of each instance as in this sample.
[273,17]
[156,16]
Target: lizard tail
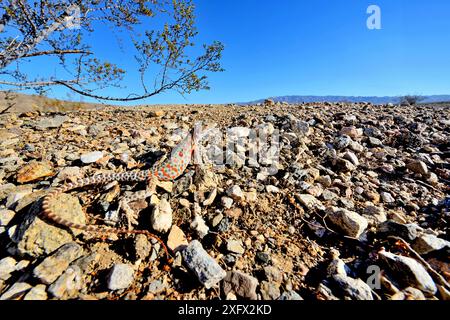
[48,214]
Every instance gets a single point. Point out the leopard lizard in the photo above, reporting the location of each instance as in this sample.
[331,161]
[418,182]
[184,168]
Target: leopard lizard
[168,170]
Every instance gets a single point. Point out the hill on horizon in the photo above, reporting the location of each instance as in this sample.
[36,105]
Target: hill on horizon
[372,99]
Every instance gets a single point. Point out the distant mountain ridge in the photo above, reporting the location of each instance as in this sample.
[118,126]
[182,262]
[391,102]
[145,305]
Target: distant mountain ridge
[372,99]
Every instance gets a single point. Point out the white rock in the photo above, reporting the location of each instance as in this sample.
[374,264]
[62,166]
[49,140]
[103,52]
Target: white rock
[199,226]
[91,157]
[120,277]
[161,217]
[272,189]
[236,193]
[227,202]
[6,216]
[207,270]
[409,272]
[428,243]
[7,266]
[350,223]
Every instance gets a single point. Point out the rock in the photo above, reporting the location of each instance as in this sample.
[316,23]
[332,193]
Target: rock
[35,171]
[375,215]
[6,216]
[69,173]
[156,287]
[211,197]
[413,294]
[161,217]
[68,284]
[91,157]
[7,266]
[16,291]
[342,142]
[348,222]
[37,293]
[273,274]
[407,232]
[227,202]
[418,166]
[309,201]
[35,237]
[354,288]
[236,193]
[344,165]
[207,270]
[235,246]
[53,266]
[241,284]
[142,246]
[290,295]
[49,123]
[262,257]
[352,132]
[387,197]
[269,290]
[272,189]
[199,226]
[120,277]
[409,272]
[176,240]
[427,243]
[350,156]
[15,196]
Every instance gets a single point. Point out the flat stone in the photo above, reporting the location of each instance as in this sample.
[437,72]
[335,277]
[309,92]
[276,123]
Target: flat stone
[309,201]
[68,284]
[354,288]
[407,232]
[7,266]
[349,222]
[409,272]
[53,266]
[235,246]
[176,240]
[205,268]
[35,237]
[418,166]
[120,277]
[290,295]
[16,291]
[37,293]
[6,216]
[241,284]
[427,243]
[91,157]
[49,123]
[34,171]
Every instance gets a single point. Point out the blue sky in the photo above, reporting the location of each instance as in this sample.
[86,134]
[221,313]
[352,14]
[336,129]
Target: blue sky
[314,47]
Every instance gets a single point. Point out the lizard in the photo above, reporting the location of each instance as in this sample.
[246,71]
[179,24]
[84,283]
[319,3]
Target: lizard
[168,170]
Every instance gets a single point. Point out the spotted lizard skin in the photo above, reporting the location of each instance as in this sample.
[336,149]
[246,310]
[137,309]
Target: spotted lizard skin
[170,169]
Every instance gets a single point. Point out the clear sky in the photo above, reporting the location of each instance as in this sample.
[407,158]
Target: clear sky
[316,47]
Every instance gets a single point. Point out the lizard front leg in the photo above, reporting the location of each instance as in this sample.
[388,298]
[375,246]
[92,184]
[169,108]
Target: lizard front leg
[130,214]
